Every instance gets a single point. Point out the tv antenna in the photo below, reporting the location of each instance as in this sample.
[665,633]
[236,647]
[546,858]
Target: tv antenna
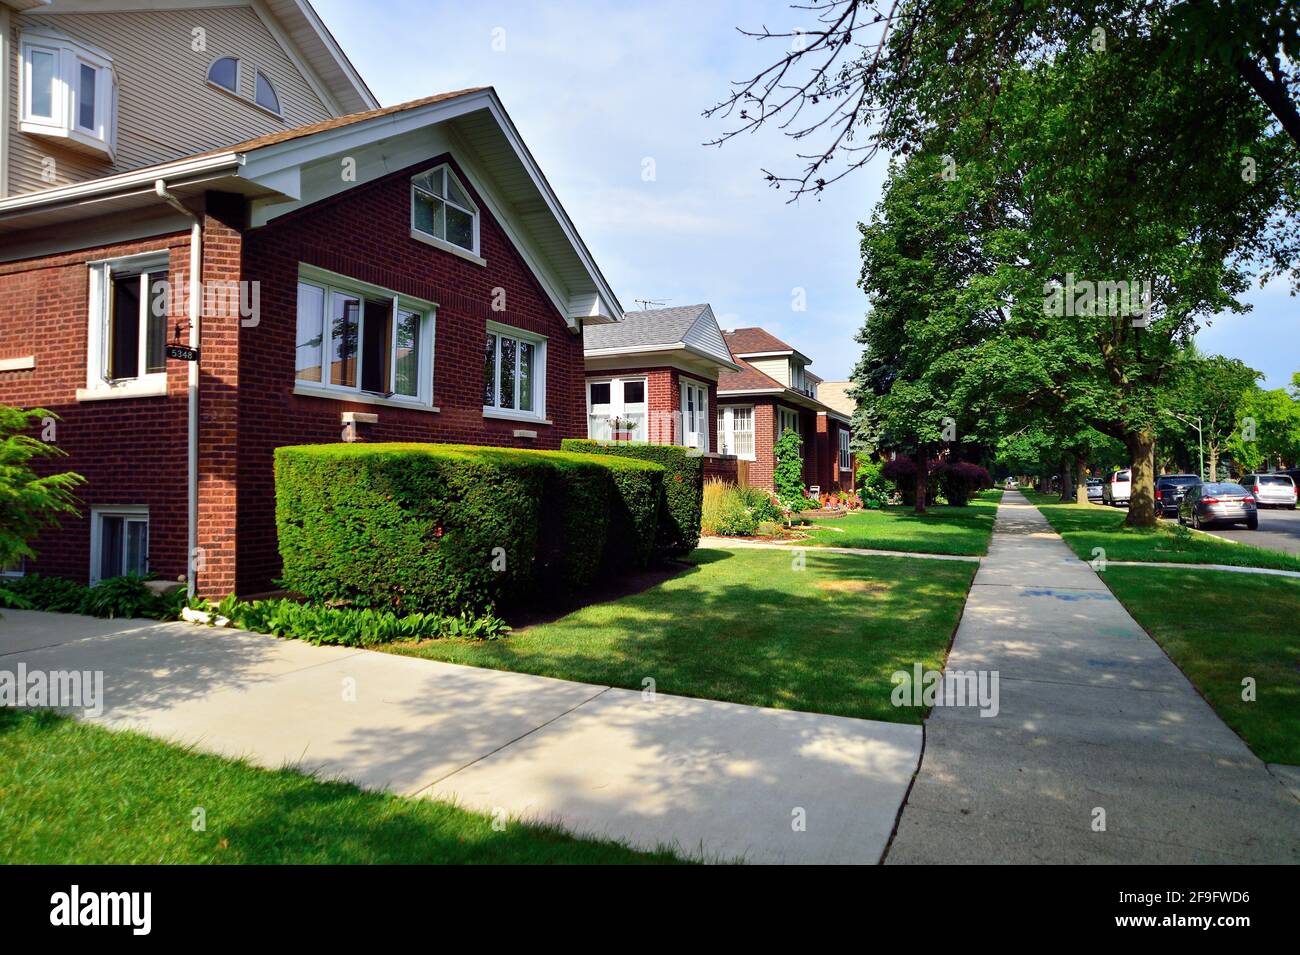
[645,303]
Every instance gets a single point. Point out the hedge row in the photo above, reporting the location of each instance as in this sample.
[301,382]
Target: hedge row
[679,525]
[456,528]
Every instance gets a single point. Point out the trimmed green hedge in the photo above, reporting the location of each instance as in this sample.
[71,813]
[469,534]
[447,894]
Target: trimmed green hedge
[456,528]
[679,525]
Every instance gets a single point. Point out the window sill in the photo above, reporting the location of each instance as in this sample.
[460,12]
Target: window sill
[503,415]
[362,397]
[153,386]
[447,247]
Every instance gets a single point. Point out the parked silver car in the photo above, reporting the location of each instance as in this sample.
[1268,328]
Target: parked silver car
[1271,490]
[1095,489]
[1220,503]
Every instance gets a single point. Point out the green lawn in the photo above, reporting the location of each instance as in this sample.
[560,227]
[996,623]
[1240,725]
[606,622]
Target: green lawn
[1086,526]
[74,793]
[942,530]
[1221,627]
[748,627]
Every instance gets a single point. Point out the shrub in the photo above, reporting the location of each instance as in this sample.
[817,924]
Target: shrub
[351,627]
[680,516]
[959,480]
[788,473]
[732,511]
[125,596]
[453,528]
[901,471]
[28,501]
[873,488]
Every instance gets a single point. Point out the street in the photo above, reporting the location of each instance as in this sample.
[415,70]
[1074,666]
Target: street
[1279,529]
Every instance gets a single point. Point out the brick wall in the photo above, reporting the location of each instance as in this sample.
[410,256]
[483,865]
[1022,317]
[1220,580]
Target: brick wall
[130,450]
[364,234]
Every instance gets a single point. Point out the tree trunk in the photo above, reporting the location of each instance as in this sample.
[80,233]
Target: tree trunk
[922,476]
[1214,462]
[1067,482]
[1142,492]
[1080,480]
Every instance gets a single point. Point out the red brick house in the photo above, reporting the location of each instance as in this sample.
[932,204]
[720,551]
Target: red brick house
[772,390]
[389,274]
[654,377]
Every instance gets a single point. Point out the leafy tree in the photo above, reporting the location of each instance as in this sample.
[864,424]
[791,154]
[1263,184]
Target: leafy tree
[1211,390]
[1266,432]
[28,501]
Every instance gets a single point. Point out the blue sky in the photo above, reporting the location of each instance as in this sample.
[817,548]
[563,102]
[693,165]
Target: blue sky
[597,89]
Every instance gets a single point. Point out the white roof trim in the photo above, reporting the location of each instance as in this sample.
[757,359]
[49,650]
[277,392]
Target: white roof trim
[648,349]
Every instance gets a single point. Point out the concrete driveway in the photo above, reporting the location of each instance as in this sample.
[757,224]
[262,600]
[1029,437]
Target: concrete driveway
[717,779]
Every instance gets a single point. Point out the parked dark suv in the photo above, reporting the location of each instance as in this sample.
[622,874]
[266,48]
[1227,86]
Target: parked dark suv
[1170,489]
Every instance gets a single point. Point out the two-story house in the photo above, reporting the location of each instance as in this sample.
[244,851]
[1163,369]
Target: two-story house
[771,391]
[214,242]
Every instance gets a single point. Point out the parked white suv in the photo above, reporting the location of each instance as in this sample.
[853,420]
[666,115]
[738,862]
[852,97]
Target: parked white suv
[1116,489]
[1271,490]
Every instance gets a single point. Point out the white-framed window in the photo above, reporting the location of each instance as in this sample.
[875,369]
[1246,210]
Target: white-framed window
[845,462]
[224,72]
[616,409]
[128,322]
[119,541]
[736,431]
[356,337]
[442,212]
[695,415]
[264,94]
[787,420]
[16,568]
[514,373]
[68,91]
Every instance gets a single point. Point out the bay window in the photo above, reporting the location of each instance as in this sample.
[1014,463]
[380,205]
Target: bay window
[68,92]
[514,373]
[616,409]
[358,338]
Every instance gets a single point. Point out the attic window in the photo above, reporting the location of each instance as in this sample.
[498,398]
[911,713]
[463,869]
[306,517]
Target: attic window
[68,92]
[441,211]
[265,94]
[224,72]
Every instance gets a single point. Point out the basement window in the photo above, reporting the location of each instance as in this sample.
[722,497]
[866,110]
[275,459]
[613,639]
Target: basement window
[67,92]
[119,542]
[355,337]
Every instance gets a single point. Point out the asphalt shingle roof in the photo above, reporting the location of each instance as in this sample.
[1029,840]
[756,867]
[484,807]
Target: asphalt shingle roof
[752,341]
[653,326]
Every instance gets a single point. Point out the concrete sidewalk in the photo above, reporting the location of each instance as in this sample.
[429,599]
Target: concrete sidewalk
[710,778]
[1093,716]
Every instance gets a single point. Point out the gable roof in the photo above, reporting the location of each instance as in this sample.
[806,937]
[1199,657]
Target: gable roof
[307,31]
[276,173]
[689,327]
[755,341]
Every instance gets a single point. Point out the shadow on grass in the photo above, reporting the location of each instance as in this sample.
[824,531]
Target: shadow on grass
[803,631]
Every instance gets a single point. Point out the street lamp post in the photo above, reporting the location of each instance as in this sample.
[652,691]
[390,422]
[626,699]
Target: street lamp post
[1200,443]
